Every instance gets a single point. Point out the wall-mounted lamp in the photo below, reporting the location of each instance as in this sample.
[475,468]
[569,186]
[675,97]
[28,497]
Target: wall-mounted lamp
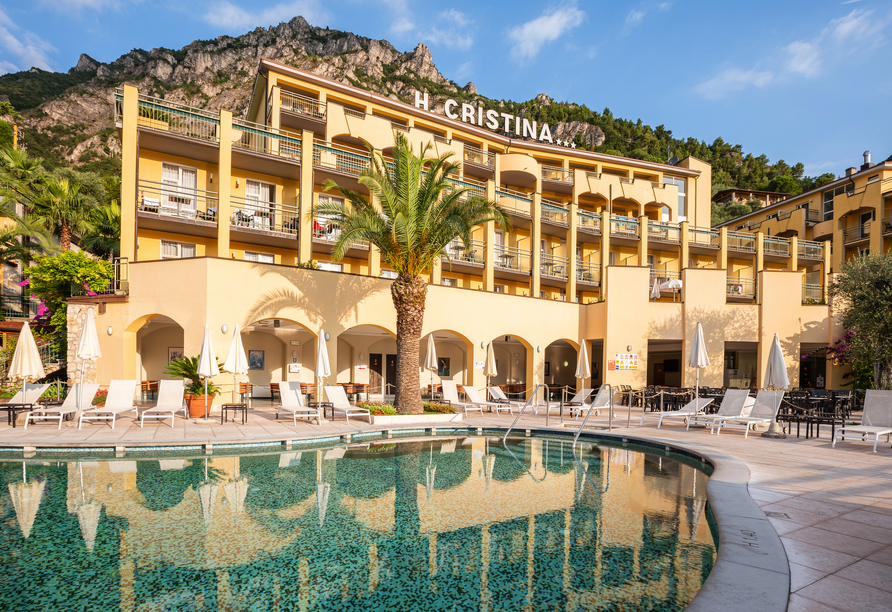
[327,336]
[362,356]
[110,330]
[629,348]
[294,353]
[236,183]
[223,328]
[482,344]
[538,349]
[211,177]
[566,364]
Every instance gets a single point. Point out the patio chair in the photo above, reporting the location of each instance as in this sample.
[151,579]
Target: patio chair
[735,403]
[291,400]
[876,420]
[23,401]
[69,406]
[691,409]
[763,412]
[119,399]
[499,396]
[341,404]
[600,402]
[475,398]
[450,394]
[170,401]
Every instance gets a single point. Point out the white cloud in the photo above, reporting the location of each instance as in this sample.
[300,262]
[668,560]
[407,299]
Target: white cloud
[236,19]
[665,6]
[27,48]
[859,25]
[733,80]
[634,17]
[851,1]
[78,5]
[401,21]
[528,38]
[464,71]
[452,30]
[804,58]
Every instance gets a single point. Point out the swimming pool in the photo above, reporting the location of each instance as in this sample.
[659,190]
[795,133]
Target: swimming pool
[445,523]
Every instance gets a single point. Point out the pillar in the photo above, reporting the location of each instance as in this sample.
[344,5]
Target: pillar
[437,272]
[793,263]
[275,118]
[642,240]
[827,268]
[684,251]
[224,169]
[605,252]
[723,249]
[129,171]
[305,198]
[571,252]
[489,238]
[536,237]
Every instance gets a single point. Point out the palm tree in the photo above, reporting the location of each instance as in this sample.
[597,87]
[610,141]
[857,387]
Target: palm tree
[421,212]
[62,209]
[103,238]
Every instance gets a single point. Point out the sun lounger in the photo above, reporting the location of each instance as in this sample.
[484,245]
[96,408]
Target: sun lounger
[341,404]
[450,394]
[69,406]
[23,401]
[291,400]
[876,420]
[170,401]
[763,412]
[475,398]
[119,399]
[691,409]
[735,403]
[577,404]
[499,396]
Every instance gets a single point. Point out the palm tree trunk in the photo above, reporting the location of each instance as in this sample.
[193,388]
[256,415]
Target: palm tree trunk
[65,237]
[409,294]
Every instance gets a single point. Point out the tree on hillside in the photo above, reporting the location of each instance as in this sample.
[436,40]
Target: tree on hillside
[420,213]
[63,210]
[722,213]
[862,291]
[103,238]
[785,184]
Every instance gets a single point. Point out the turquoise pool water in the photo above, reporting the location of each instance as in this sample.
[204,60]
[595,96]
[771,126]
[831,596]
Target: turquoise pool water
[460,523]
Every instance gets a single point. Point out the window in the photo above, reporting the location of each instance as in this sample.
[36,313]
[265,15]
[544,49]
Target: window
[682,194]
[331,267]
[260,205]
[179,194]
[499,288]
[388,274]
[176,250]
[449,282]
[543,294]
[260,257]
[323,227]
[832,193]
[650,261]
[611,258]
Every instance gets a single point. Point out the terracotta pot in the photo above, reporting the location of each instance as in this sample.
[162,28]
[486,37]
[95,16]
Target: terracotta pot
[196,405]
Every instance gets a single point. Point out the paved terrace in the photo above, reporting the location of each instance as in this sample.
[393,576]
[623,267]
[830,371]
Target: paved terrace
[834,505]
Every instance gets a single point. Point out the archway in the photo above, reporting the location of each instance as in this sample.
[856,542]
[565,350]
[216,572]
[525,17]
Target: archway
[366,359]
[560,367]
[159,340]
[514,361]
[278,350]
[453,354]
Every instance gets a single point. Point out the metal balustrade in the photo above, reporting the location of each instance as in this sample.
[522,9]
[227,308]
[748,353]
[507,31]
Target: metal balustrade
[554,266]
[477,156]
[400,127]
[663,232]
[164,115]
[887,224]
[740,287]
[623,227]
[475,252]
[327,230]
[557,174]
[776,246]
[626,180]
[118,284]
[807,249]
[18,307]
[340,157]
[701,236]
[555,212]
[812,215]
[854,234]
[302,105]
[265,216]
[442,139]
[266,140]
[588,221]
[513,258]
[515,202]
[587,272]
[664,276]
[740,241]
[592,175]
[475,188]
[812,294]
[175,201]
[354,113]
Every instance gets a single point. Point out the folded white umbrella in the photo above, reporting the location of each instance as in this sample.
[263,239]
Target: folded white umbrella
[699,358]
[430,360]
[88,520]
[583,365]
[236,361]
[207,365]
[323,367]
[655,290]
[323,489]
[490,368]
[775,378]
[26,497]
[87,346]
[26,359]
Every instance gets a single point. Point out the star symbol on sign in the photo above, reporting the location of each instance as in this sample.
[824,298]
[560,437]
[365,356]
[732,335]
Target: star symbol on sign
[573,145]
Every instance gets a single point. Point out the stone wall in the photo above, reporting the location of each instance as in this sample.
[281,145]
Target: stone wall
[77,314]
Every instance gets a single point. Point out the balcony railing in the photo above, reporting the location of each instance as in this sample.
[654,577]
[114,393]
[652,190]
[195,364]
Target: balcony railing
[119,283]
[341,158]
[265,216]
[554,266]
[663,276]
[328,231]
[588,272]
[164,115]
[515,202]
[266,140]
[623,227]
[354,113]
[555,212]
[663,232]
[776,246]
[474,188]
[740,287]
[475,253]
[18,307]
[740,241]
[592,175]
[859,232]
[556,174]
[302,105]
[810,250]
[400,127]
[812,294]
[588,221]
[473,155]
[174,201]
[512,258]
[887,225]
[703,237]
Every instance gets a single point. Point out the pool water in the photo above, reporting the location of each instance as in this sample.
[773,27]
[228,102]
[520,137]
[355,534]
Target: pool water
[460,523]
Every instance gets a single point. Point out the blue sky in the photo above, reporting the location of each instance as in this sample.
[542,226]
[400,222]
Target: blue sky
[799,81]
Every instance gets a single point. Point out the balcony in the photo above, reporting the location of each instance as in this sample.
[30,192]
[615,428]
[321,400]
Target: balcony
[887,225]
[265,217]
[588,273]
[857,233]
[736,287]
[703,237]
[194,208]
[340,158]
[554,266]
[663,232]
[663,276]
[555,212]
[473,155]
[588,222]
[302,105]
[514,259]
[555,174]
[166,116]
[740,241]
[118,285]
[810,250]
[18,307]
[776,246]
[474,254]
[328,232]
[474,188]
[812,216]
[515,202]
[265,140]
[624,227]
[812,294]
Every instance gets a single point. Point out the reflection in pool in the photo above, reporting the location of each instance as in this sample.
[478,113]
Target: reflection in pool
[440,524]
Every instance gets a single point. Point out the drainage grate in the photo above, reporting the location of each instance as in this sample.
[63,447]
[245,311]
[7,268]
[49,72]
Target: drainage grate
[776,515]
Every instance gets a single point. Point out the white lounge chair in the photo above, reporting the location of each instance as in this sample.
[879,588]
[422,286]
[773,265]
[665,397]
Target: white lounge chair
[876,420]
[119,399]
[579,404]
[291,397]
[735,403]
[500,397]
[692,408]
[69,406]
[450,394]
[763,412]
[170,401]
[338,397]
[28,395]
[475,398]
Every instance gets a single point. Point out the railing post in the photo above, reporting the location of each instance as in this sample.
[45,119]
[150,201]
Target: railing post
[305,198]
[536,236]
[129,170]
[793,263]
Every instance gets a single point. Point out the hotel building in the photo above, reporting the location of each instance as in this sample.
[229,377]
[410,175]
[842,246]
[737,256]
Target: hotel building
[217,215]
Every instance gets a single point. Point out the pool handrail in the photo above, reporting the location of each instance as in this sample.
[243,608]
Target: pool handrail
[588,413]
[527,403]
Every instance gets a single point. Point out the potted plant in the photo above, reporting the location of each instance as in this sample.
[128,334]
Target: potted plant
[187,367]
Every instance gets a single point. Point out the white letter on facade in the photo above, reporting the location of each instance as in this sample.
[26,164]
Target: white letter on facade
[517,126]
[421,102]
[508,120]
[447,108]
[467,113]
[545,135]
[529,129]
[492,119]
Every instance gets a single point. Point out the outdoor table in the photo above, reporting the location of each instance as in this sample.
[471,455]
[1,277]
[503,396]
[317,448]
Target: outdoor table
[13,409]
[235,408]
[323,405]
[817,420]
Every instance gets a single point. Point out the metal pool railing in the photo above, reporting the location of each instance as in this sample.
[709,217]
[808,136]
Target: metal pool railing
[524,407]
[588,413]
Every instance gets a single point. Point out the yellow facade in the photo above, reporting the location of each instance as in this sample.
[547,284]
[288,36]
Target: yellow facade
[217,214]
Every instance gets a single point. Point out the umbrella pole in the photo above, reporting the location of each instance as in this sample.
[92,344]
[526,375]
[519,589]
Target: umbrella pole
[205,397]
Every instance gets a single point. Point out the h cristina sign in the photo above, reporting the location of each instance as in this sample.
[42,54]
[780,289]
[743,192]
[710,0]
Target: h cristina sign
[491,119]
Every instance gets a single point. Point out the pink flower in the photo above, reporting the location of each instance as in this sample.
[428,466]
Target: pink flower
[24,283]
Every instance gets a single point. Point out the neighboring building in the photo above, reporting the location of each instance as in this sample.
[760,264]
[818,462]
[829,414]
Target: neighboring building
[216,213]
[735,196]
